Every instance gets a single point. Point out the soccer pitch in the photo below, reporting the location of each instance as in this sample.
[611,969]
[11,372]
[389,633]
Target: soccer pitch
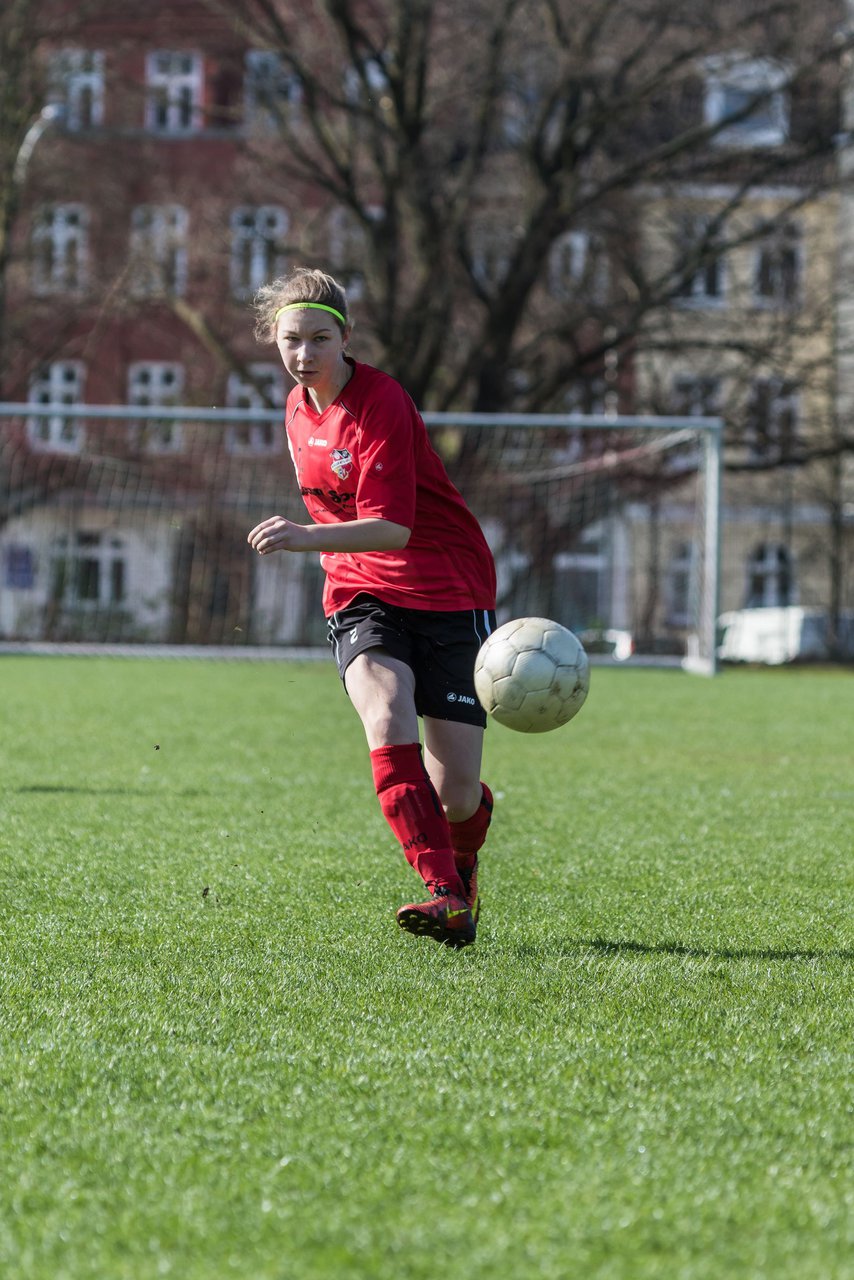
[219,1057]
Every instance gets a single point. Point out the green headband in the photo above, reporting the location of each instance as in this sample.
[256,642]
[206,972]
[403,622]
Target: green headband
[315,306]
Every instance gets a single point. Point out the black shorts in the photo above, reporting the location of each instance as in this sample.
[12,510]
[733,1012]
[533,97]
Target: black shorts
[439,648]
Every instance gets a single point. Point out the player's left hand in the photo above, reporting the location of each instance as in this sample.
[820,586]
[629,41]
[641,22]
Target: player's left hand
[276,534]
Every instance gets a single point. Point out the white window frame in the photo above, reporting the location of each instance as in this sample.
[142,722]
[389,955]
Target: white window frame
[747,77]
[369,76]
[77,81]
[783,399]
[58,383]
[158,383]
[174,81]
[680,583]
[347,242]
[692,230]
[585,395]
[158,244]
[769,259]
[568,261]
[490,256]
[254,438]
[766,567]
[520,106]
[257,232]
[20,566]
[60,246]
[106,551]
[576,261]
[270,90]
[692,395]
[695,395]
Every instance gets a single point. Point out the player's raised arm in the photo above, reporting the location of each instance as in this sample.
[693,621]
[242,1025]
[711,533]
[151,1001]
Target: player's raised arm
[279,534]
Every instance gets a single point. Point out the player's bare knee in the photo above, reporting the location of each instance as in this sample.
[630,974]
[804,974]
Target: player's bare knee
[386,731]
[460,798]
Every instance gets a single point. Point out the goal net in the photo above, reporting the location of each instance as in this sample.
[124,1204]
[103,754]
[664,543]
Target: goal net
[122,529]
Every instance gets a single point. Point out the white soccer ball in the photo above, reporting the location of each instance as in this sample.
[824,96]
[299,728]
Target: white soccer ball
[532,674]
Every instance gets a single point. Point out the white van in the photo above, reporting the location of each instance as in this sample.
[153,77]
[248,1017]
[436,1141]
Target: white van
[775,636]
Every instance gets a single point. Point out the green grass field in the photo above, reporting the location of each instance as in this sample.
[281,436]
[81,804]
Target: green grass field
[219,1057]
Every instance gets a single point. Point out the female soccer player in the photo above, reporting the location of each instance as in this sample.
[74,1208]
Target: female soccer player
[409,592]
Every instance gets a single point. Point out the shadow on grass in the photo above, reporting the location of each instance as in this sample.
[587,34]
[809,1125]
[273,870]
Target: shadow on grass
[608,947]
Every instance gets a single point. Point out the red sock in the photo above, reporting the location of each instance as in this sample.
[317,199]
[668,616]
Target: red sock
[414,812]
[468,836]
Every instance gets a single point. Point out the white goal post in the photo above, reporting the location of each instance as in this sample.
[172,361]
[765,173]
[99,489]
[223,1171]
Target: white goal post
[126,525]
[609,524]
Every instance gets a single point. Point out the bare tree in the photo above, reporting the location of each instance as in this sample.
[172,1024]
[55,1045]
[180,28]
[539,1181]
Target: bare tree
[467,146]
[484,171]
[510,189]
[522,179]
[31,125]
[21,101]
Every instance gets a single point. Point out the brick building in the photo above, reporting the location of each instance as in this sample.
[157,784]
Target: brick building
[156,203]
[146,232]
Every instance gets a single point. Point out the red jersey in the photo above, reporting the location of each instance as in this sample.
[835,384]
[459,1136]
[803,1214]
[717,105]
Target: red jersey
[369,456]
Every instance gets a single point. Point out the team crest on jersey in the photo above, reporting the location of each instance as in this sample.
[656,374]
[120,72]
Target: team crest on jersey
[342,463]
